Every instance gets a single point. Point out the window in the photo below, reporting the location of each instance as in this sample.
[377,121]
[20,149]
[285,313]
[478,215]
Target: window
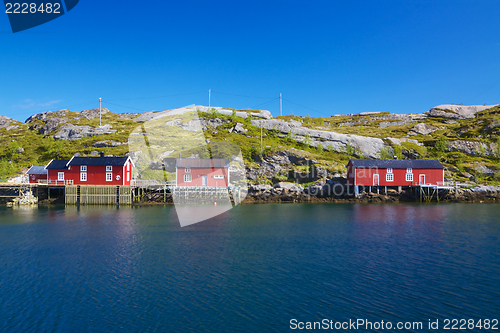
[83,168]
[60,176]
[187,178]
[83,176]
[109,176]
[128,176]
[109,168]
[187,170]
[409,177]
[218,176]
[409,170]
[389,170]
[389,177]
[128,166]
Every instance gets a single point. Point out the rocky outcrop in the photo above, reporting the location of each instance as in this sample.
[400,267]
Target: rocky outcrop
[8,123]
[474,147]
[238,128]
[396,141]
[451,111]
[94,113]
[49,126]
[369,147]
[73,132]
[108,143]
[146,116]
[423,129]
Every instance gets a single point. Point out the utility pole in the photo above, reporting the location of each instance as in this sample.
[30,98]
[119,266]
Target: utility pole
[281,105]
[100,106]
[209,93]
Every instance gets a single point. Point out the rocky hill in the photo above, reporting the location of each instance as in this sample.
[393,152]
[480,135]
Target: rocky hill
[302,149]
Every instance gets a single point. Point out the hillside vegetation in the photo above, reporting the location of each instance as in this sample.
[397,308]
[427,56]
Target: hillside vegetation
[465,139]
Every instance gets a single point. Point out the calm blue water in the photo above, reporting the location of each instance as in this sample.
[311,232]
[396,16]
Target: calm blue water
[252,269]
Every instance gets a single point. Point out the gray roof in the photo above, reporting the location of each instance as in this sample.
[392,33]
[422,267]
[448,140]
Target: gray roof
[57,164]
[98,161]
[37,170]
[203,163]
[397,164]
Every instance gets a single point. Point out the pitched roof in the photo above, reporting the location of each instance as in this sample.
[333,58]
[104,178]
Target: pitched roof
[98,161]
[203,163]
[37,170]
[397,164]
[57,164]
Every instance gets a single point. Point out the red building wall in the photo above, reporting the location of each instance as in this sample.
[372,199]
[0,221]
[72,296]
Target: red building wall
[33,179]
[96,175]
[364,177]
[197,179]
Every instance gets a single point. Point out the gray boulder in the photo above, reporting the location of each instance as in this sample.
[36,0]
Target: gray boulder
[239,128]
[423,129]
[288,186]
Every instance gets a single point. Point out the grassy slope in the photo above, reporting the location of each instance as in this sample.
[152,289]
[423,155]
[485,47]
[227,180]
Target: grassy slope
[40,149]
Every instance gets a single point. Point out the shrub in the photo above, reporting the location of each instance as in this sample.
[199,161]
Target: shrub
[496,176]
[386,154]
[442,144]
[307,140]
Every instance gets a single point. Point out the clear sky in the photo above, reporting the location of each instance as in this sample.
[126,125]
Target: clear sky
[326,57]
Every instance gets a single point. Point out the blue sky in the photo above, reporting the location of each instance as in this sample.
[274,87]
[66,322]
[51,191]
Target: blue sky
[326,57]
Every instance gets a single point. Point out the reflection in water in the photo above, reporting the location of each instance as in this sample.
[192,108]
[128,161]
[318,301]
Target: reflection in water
[252,268]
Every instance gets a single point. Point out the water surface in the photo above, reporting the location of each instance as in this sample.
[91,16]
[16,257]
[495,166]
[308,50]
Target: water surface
[252,269]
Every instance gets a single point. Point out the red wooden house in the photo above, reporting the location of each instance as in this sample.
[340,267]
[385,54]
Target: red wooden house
[200,172]
[90,171]
[37,174]
[369,172]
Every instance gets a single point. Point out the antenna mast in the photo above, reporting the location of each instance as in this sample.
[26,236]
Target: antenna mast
[100,106]
[281,105]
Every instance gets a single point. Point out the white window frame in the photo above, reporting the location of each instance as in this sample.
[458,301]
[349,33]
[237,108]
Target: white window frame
[409,170]
[187,170]
[409,177]
[128,176]
[188,178]
[83,168]
[128,166]
[218,176]
[389,177]
[109,176]
[109,168]
[83,176]
[60,176]
[389,170]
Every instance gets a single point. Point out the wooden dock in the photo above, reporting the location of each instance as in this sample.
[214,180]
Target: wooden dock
[98,195]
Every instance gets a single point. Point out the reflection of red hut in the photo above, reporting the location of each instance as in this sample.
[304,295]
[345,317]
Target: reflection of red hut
[208,172]
[37,174]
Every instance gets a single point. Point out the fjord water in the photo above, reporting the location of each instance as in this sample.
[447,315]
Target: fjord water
[252,269]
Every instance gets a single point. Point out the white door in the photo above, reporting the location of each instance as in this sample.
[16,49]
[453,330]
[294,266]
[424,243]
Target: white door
[204,180]
[375,180]
[422,179]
